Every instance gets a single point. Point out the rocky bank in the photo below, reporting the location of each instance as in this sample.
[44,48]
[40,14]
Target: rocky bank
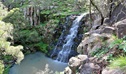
[97,37]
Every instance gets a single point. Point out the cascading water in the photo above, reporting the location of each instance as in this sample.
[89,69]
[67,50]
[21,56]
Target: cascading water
[63,55]
[61,38]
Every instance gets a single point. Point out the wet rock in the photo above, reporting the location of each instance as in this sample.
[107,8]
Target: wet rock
[53,54]
[72,53]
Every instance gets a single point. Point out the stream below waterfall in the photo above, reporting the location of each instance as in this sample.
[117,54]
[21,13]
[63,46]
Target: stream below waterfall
[36,62]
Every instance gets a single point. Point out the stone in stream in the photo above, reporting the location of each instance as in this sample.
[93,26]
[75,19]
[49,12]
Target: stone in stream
[67,70]
[74,63]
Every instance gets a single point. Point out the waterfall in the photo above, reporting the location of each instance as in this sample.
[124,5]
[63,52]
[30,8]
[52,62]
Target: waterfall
[63,55]
[61,38]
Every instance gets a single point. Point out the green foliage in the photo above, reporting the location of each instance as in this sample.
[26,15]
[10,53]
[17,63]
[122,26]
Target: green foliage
[121,43]
[119,62]
[27,36]
[99,52]
[110,58]
[1,67]
[7,58]
[5,47]
[61,9]
[48,30]
[85,30]
[16,17]
[123,46]
[6,69]
[5,30]
[115,42]
[2,15]
[42,46]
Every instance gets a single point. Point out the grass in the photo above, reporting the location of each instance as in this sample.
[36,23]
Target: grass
[119,62]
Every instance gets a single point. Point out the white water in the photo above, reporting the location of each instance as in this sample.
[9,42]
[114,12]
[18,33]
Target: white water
[63,55]
[60,40]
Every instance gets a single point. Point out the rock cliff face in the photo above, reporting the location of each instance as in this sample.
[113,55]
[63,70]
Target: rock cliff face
[96,38]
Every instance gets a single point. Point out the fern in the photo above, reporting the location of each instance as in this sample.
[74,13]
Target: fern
[115,42]
[123,46]
[100,51]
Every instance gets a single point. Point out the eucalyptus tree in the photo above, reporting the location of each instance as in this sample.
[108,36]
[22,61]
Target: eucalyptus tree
[32,10]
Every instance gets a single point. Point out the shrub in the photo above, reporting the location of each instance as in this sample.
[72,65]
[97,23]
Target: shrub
[16,17]
[1,67]
[42,47]
[5,47]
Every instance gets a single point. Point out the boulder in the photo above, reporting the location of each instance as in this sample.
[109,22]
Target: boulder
[106,71]
[82,57]
[119,12]
[67,70]
[93,66]
[112,71]
[120,28]
[92,42]
[108,29]
[74,62]
[89,68]
[86,69]
[89,42]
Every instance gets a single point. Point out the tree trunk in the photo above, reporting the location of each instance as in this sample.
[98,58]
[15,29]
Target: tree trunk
[32,14]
